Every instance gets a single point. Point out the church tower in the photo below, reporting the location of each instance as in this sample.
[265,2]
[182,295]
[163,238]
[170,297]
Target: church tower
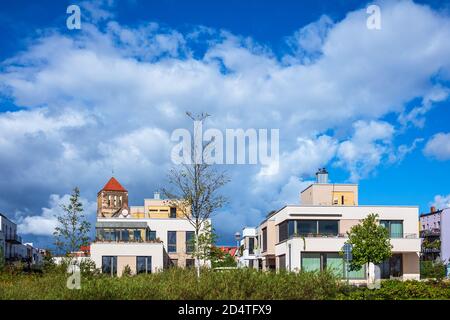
[112,200]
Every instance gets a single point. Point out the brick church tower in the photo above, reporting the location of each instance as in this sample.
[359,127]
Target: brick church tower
[112,200]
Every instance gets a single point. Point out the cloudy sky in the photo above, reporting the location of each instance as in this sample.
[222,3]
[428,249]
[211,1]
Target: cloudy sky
[371,105]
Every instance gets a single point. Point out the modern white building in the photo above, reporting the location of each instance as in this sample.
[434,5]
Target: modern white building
[249,251]
[310,236]
[145,238]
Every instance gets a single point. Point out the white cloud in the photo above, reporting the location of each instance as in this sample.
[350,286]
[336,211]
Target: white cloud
[438,146]
[44,224]
[441,202]
[363,152]
[108,97]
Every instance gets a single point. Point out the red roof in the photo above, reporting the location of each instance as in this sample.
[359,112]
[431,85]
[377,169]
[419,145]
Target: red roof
[228,249]
[113,185]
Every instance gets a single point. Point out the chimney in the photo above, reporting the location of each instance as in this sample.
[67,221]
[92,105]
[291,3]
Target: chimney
[322,175]
[156,196]
[433,209]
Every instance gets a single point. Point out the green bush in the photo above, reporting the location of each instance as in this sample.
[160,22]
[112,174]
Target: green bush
[174,283]
[432,270]
[400,290]
[182,284]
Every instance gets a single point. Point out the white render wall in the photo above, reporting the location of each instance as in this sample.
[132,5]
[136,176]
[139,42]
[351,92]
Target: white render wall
[409,215]
[131,249]
[445,235]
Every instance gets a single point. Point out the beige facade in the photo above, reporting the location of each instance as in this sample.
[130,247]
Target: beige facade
[327,194]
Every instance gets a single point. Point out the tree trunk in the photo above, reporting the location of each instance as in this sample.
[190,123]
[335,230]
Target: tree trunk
[197,259]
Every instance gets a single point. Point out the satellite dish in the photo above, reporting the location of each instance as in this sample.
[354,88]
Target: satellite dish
[124,213]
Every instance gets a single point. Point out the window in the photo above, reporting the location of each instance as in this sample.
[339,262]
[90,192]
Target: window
[143,264]
[311,262]
[250,264]
[283,231]
[395,227]
[331,261]
[264,239]
[282,262]
[173,212]
[328,227]
[137,235]
[125,235]
[151,235]
[251,245]
[306,227]
[392,267]
[171,241]
[189,241]
[190,263]
[109,265]
[317,227]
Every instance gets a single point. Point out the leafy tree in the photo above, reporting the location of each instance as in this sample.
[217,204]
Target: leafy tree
[370,243]
[195,187]
[72,230]
[227,260]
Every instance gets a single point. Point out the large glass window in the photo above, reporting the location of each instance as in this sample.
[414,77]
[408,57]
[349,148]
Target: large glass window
[283,231]
[281,262]
[305,227]
[264,239]
[137,235]
[151,235]
[172,241]
[125,235]
[251,245]
[109,265]
[335,264]
[395,227]
[317,227]
[328,227]
[190,241]
[311,262]
[331,261]
[391,267]
[144,264]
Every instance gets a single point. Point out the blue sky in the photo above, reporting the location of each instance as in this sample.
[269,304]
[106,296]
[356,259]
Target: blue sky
[370,105]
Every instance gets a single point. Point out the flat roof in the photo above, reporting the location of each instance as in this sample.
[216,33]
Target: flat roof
[329,184]
[321,206]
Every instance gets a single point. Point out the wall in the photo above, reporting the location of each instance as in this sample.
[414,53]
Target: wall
[445,235]
[324,194]
[126,252]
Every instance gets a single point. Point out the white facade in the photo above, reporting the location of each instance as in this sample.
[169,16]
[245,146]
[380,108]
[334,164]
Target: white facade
[249,245]
[289,252]
[158,249]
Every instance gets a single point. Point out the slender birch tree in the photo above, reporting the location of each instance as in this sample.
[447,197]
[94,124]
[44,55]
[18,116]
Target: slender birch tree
[194,186]
[72,230]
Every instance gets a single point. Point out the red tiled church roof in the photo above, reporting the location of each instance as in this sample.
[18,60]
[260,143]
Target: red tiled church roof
[113,185]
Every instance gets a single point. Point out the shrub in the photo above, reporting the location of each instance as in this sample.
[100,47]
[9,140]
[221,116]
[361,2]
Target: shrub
[175,283]
[432,270]
[400,290]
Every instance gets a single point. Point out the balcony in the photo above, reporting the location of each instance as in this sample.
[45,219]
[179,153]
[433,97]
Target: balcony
[334,242]
[435,232]
[13,238]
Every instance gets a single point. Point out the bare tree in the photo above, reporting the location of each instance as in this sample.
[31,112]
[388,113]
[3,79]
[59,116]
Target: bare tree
[194,188]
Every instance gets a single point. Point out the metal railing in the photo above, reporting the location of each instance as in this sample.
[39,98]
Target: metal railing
[344,235]
[13,238]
